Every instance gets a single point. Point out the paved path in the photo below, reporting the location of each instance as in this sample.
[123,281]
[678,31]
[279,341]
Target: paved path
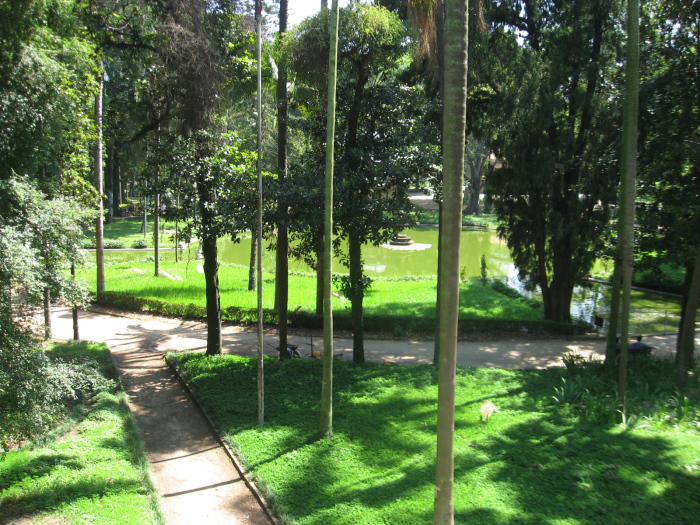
[198,482]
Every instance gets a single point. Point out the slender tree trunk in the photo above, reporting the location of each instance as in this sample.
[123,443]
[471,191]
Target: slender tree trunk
[687,284]
[611,342]
[320,281]
[627,192]
[76,334]
[144,225]
[253,258]
[686,337]
[47,313]
[326,423]
[436,348]
[211,278]
[177,230]
[439,17]
[261,376]
[109,181]
[454,121]
[356,297]
[156,230]
[99,231]
[282,266]
[116,185]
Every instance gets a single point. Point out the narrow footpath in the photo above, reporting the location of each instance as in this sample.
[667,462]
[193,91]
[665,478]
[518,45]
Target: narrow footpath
[194,476]
[196,479]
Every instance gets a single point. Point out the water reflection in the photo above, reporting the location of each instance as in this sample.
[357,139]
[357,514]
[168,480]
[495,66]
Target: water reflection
[650,312]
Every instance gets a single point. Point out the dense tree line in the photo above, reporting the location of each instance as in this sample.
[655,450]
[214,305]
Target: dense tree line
[544,98]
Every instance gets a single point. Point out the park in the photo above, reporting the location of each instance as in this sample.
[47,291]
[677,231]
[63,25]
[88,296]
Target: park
[372,262]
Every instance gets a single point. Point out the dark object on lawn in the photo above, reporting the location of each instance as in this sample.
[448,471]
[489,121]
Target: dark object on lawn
[291,351]
[635,349]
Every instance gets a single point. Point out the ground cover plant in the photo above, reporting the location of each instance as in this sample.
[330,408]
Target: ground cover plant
[91,468]
[531,459]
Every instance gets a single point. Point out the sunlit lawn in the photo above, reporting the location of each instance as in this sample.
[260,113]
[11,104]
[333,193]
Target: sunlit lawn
[395,297]
[531,463]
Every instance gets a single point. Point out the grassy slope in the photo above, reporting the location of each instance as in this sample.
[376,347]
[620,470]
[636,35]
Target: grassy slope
[531,463]
[127,230]
[415,298]
[95,474]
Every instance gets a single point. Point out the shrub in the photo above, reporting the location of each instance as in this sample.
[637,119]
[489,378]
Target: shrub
[113,244]
[88,243]
[140,244]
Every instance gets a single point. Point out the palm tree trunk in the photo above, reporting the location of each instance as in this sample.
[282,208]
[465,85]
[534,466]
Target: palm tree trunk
[453,135]
[627,190]
[99,230]
[282,266]
[326,424]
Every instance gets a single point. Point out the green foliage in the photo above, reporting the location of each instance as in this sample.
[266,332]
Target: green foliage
[139,243]
[588,388]
[46,95]
[98,471]
[533,461]
[35,386]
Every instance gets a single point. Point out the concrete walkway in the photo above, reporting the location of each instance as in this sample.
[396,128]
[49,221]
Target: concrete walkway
[196,479]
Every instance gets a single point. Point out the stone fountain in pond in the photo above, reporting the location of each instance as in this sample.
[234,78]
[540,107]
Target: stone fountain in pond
[404,242]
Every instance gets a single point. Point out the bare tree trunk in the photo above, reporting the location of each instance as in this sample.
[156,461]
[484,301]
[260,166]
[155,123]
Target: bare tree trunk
[320,279]
[47,313]
[454,121]
[282,266]
[261,384]
[326,424]
[109,182]
[99,230]
[356,298]
[627,192]
[76,334]
[686,337]
[251,267]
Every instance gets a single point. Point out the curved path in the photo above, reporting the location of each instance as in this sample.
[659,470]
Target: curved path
[197,481]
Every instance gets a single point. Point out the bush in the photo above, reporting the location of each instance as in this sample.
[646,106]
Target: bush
[113,244]
[88,243]
[35,390]
[140,244]
[508,291]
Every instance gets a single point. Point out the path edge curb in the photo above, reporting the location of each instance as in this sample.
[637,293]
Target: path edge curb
[229,452]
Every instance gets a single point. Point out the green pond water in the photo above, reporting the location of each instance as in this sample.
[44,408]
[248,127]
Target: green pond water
[651,312]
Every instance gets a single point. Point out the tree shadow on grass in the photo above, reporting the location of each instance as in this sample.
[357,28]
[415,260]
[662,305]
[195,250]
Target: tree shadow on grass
[530,463]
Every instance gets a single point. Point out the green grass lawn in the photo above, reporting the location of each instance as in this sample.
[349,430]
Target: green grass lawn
[95,474]
[533,461]
[486,220]
[385,297]
[127,230]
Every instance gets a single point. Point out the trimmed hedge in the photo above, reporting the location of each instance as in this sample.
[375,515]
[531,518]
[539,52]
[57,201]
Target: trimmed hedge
[341,320]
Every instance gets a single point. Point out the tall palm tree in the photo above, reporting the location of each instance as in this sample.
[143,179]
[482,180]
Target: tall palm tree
[326,426]
[625,237]
[453,137]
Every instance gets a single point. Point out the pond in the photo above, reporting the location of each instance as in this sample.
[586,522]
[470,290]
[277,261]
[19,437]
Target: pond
[651,312]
